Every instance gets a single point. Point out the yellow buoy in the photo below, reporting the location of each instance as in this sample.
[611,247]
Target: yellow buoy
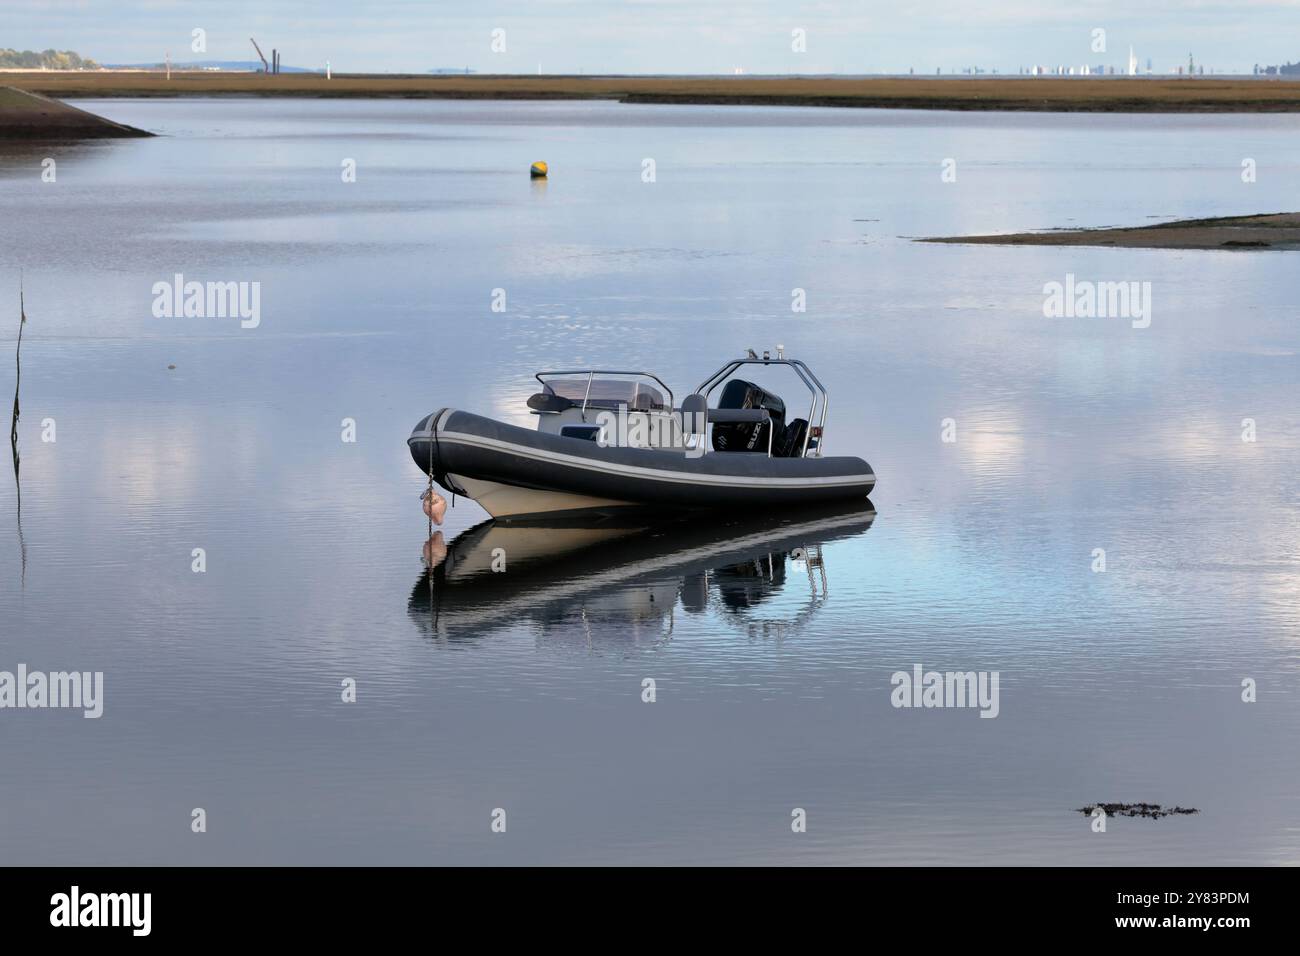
[538,170]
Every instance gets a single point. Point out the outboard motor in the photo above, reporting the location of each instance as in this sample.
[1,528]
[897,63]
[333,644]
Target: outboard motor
[790,442]
[748,436]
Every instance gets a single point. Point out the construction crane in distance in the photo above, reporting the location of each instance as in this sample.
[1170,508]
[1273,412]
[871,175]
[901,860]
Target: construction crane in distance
[266,67]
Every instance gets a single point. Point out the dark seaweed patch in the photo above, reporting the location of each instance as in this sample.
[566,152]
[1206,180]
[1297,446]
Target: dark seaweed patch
[1152,811]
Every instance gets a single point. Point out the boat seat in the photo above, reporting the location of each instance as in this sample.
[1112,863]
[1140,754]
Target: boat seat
[694,405]
[548,403]
[734,416]
[694,416]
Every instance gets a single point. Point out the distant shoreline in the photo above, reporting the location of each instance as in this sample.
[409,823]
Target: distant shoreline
[1268,231]
[1109,94]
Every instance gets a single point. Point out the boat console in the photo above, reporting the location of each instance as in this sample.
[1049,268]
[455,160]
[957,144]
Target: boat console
[586,403]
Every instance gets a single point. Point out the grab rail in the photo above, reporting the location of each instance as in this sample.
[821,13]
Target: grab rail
[814,385]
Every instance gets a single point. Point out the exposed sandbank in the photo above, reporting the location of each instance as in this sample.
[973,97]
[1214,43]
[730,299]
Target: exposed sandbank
[1272,231]
[29,116]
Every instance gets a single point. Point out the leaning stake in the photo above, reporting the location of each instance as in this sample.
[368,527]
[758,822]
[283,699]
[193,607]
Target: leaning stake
[18,362]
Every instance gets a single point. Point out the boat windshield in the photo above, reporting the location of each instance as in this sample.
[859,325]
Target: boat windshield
[602,389]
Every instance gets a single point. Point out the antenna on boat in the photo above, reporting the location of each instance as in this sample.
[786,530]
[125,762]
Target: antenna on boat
[752,353]
[780,351]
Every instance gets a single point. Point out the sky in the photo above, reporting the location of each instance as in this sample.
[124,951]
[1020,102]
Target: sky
[668,36]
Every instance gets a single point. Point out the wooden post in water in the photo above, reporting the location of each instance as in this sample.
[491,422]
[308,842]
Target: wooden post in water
[18,380]
[13,431]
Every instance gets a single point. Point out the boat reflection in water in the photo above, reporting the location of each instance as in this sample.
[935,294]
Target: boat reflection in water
[624,580]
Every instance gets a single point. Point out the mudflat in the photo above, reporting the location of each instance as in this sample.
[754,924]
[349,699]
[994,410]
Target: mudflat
[1115,94]
[1270,231]
[29,116]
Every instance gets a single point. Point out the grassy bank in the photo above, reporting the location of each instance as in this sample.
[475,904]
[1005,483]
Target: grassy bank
[1069,94]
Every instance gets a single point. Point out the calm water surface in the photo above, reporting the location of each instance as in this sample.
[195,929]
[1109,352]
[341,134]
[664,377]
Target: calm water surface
[771,642]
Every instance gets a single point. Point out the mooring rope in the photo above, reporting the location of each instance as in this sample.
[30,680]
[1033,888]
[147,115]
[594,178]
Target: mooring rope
[429,491]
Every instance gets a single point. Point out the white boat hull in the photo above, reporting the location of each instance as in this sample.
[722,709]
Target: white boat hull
[505,501]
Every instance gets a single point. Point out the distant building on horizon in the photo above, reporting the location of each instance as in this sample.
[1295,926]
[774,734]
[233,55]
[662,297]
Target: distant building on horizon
[1286,69]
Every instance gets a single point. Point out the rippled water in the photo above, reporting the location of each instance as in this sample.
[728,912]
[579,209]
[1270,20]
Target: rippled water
[771,640]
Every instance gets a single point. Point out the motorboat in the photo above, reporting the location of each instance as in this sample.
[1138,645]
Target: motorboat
[607,440]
